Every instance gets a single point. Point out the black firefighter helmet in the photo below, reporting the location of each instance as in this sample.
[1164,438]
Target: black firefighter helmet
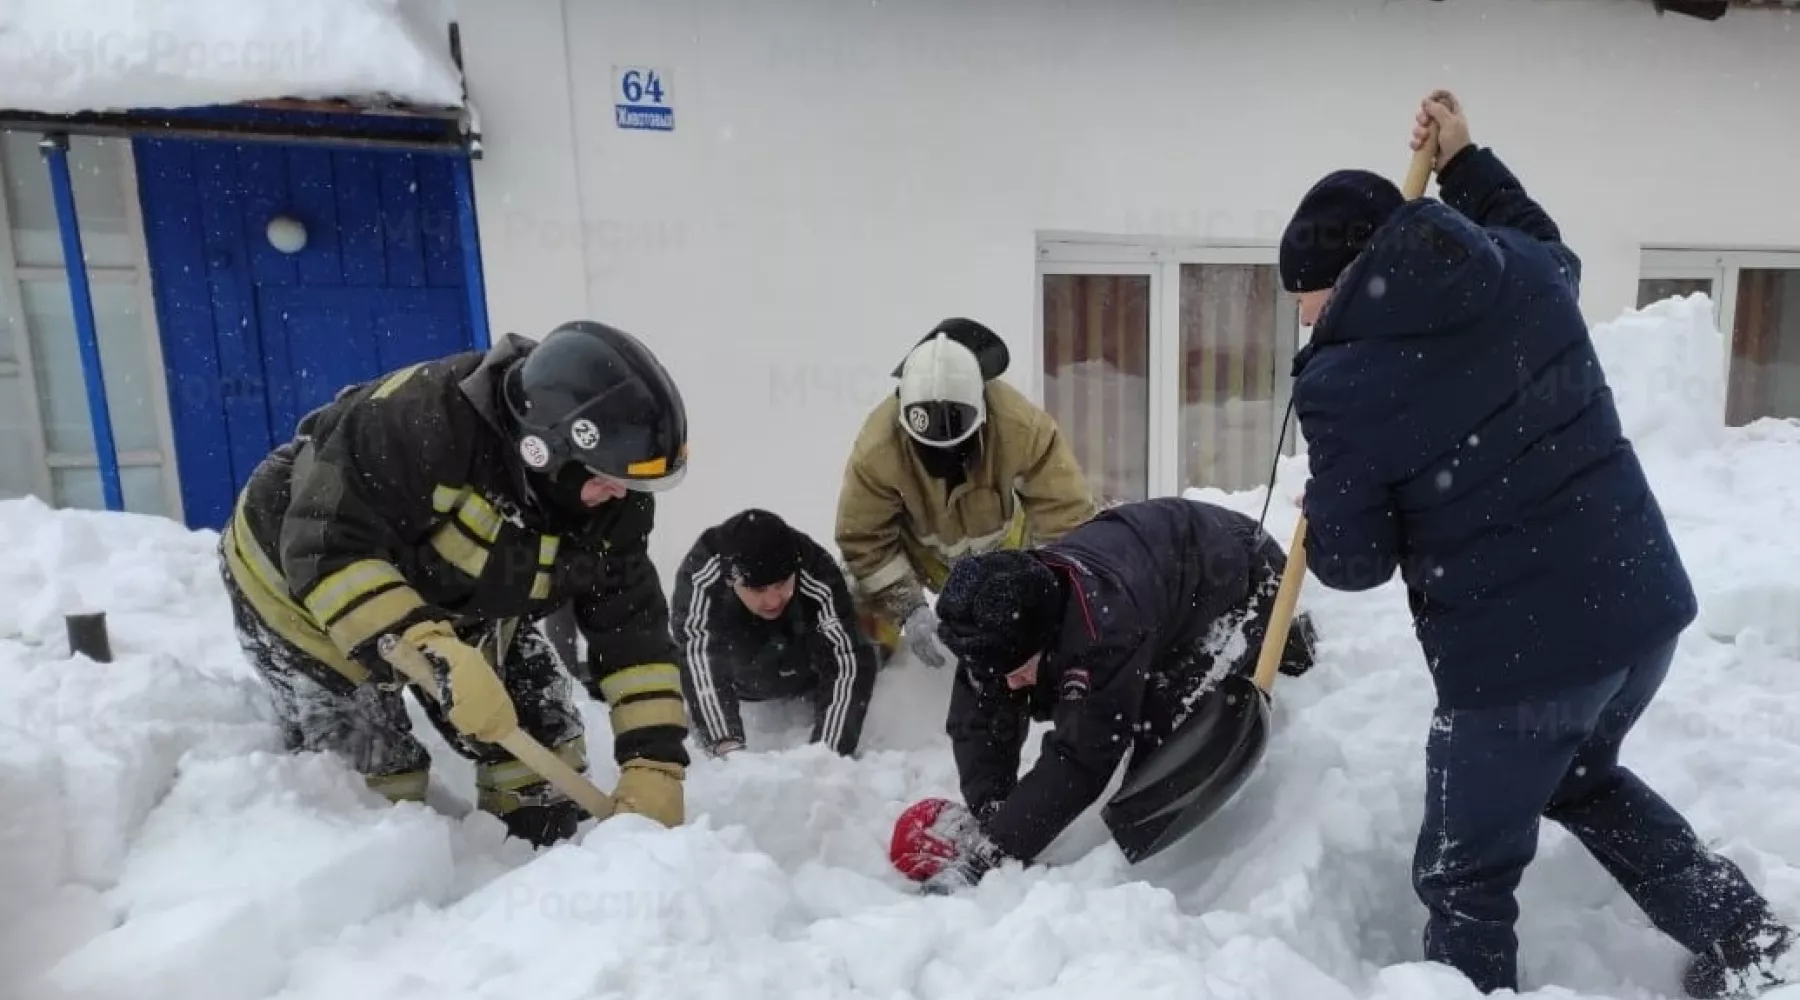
[594,394]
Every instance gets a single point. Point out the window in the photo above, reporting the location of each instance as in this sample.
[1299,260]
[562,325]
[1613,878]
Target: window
[1756,301]
[46,434]
[1167,369]
[1764,376]
[1097,376]
[1237,345]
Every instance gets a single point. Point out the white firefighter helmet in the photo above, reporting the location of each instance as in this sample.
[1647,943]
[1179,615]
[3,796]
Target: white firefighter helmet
[942,394]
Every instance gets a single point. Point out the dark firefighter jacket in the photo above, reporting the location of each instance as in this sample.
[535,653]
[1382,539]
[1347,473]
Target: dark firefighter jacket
[728,654]
[1146,581]
[401,501]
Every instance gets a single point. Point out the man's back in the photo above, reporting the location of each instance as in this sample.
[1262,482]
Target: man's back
[1166,567]
[1454,383]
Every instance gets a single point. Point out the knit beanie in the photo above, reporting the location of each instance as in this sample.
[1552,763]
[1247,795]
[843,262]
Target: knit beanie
[997,609]
[1333,224]
[758,548]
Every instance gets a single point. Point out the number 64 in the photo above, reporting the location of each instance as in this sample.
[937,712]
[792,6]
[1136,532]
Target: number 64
[637,83]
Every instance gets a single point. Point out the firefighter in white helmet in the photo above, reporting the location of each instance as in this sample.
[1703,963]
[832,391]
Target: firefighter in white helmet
[955,462]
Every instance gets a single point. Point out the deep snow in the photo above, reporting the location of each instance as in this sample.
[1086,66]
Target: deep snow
[62,56]
[153,845]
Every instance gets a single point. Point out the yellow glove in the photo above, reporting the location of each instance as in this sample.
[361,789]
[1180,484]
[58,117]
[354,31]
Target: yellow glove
[652,788]
[479,704]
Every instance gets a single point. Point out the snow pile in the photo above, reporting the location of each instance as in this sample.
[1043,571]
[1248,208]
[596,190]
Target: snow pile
[152,845]
[63,56]
[1666,365]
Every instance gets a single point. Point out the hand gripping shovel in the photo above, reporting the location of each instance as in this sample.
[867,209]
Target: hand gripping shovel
[407,659]
[1201,766]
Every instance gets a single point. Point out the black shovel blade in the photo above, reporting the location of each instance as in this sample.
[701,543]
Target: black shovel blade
[1193,773]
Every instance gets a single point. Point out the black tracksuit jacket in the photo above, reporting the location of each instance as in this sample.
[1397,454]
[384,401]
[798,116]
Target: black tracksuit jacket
[728,655]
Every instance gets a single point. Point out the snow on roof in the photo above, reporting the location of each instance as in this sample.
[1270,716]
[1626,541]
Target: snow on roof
[66,56]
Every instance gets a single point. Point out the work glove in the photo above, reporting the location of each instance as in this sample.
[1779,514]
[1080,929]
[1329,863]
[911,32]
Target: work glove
[920,631]
[940,845]
[652,788]
[470,691]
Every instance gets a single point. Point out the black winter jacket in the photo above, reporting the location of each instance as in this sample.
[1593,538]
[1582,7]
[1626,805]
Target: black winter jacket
[1460,429]
[402,501]
[1146,581]
[728,654]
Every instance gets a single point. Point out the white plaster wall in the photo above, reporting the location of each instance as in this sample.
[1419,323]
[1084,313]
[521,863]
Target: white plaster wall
[842,175]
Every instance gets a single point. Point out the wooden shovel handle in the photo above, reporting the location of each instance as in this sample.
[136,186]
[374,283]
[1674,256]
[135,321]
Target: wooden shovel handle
[407,659]
[1419,170]
[1281,618]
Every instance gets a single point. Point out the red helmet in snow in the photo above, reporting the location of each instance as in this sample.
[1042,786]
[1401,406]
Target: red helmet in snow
[929,836]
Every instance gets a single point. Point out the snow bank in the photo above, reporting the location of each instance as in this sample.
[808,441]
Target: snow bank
[79,55]
[153,844]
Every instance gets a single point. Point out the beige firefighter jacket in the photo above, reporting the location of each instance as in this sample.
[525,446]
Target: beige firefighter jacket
[898,532]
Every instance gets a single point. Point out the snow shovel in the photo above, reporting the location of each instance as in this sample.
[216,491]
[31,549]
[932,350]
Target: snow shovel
[407,659]
[1201,766]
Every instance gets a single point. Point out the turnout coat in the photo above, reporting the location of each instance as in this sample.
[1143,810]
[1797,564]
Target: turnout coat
[401,501]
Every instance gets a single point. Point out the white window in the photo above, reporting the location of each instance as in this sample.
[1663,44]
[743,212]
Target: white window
[1165,365]
[1756,303]
[46,437]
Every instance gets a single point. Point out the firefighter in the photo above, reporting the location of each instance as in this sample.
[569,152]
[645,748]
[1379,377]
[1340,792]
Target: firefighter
[956,462]
[454,503]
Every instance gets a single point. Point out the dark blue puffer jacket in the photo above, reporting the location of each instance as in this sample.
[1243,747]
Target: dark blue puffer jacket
[1460,429]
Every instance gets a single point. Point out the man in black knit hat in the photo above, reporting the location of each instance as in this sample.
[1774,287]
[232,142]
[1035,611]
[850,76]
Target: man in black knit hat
[1461,434]
[1113,634]
[760,613]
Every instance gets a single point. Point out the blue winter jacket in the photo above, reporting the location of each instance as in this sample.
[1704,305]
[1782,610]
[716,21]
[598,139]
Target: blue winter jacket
[1459,429]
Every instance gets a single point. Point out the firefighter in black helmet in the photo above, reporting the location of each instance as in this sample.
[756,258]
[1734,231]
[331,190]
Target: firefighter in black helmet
[454,503]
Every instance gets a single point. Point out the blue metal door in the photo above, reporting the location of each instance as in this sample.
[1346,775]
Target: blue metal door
[255,334]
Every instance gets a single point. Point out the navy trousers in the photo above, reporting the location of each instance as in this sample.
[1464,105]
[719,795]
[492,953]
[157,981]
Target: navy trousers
[1491,773]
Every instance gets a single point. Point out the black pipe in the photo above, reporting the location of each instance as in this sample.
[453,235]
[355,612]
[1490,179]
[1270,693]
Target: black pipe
[87,636]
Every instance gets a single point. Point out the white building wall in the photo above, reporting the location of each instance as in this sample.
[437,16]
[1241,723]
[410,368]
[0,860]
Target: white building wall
[843,175]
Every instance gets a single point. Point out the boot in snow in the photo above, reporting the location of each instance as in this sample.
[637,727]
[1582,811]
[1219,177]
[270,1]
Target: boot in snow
[1744,964]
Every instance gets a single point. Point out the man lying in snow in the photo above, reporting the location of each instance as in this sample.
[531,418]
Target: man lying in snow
[955,462]
[743,636]
[1460,429]
[451,504]
[1112,634]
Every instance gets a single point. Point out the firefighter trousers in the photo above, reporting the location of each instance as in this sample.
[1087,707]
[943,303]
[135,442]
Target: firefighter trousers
[367,725]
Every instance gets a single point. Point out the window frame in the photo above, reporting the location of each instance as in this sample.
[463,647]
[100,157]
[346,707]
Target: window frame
[12,312]
[1160,260]
[1723,266]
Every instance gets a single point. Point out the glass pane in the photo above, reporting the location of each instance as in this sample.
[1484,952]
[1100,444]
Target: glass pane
[1765,346]
[1657,289]
[124,361]
[1097,377]
[142,486]
[1237,343]
[17,468]
[99,201]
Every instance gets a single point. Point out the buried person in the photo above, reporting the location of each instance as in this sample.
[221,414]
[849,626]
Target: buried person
[762,613]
